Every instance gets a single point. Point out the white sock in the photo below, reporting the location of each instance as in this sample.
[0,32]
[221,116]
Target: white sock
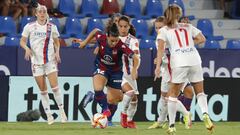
[202,102]
[127,97]
[181,108]
[58,97]
[132,110]
[163,109]
[172,110]
[45,102]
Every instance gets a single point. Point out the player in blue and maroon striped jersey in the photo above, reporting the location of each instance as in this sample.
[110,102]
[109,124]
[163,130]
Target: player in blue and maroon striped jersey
[108,66]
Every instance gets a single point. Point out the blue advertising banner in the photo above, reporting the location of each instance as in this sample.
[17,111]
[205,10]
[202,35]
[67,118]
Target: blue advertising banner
[221,63]
[8,62]
[78,62]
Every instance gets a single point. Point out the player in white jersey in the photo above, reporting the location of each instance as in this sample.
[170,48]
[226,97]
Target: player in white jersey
[166,77]
[44,55]
[129,86]
[185,62]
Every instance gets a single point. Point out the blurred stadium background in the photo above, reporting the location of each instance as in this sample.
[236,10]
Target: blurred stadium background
[75,18]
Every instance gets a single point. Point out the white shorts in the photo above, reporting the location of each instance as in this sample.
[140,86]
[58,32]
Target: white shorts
[166,77]
[44,69]
[188,73]
[133,83]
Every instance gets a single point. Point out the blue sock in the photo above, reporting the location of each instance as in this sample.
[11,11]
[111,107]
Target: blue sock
[113,109]
[101,99]
[187,103]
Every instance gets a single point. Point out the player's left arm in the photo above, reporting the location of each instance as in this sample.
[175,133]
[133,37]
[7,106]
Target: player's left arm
[57,49]
[136,63]
[56,43]
[198,37]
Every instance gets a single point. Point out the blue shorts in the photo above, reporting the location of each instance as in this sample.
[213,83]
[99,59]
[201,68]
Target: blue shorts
[114,78]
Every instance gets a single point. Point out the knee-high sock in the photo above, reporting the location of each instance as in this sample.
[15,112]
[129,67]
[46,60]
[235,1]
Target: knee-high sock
[202,102]
[132,110]
[58,97]
[112,109]
[172,110]
[181,108]
[163,109]
[45,102]
[127,97]
[101,99]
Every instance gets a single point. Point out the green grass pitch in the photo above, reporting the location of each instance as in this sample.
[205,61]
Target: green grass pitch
[75,128]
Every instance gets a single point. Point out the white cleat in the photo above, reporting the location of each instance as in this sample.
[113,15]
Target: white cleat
[50,119]
[63,116]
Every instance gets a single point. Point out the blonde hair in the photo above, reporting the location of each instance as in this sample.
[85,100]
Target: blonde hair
[42,7]
[172,14]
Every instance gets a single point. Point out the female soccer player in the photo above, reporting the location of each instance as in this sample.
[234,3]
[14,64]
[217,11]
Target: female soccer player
[44,55]
[109,66]
[166,77]
[185,62]
[129,86]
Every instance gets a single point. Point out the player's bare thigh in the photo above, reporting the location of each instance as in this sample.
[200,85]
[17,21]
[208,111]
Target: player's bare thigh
[188,92]
[99,81]
[114,95]
[41,82]
[53,79]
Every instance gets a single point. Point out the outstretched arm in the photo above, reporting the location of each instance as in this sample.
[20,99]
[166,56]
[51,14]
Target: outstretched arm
[89,38]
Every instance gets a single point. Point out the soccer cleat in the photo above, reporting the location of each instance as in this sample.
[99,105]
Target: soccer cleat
[208,123]
[158,125]
[88,98]
[63,116]
[131,124]
[187,120]
[123,121]
[171,131]
[107,113]
[50,119]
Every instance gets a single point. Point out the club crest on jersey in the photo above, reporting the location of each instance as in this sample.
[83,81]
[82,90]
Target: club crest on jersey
[114,51]
[107,58]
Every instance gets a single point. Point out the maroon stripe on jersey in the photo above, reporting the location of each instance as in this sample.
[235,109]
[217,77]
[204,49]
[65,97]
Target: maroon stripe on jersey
[186,35]
[46,42]
[178,38]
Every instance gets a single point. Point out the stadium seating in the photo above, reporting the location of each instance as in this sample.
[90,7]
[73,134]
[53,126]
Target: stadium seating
[24,21]
[212,44]
[67,7]
[141,27]
[154,8]
[94,23]
[55,21]
[132,8]
[235,11]
[12,41]
[8,26]
[73,27]
[90,8]
[147,44]
[233,44]
[205,25]
[110,7]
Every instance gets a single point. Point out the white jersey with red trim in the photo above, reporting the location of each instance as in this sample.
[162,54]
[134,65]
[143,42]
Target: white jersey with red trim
[181,44]
[133,44]
[41,41]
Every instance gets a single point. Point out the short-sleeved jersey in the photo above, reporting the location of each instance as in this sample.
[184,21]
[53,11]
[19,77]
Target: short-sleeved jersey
[181,44]
[165,60]
[41,41]
[133,44]
[110,59]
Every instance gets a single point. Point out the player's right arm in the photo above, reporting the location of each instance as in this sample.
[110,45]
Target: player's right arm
[161,40]
[23,43]
[89,38]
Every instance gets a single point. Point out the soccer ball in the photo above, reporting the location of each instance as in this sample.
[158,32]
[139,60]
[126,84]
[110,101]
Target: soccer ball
[99,121]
